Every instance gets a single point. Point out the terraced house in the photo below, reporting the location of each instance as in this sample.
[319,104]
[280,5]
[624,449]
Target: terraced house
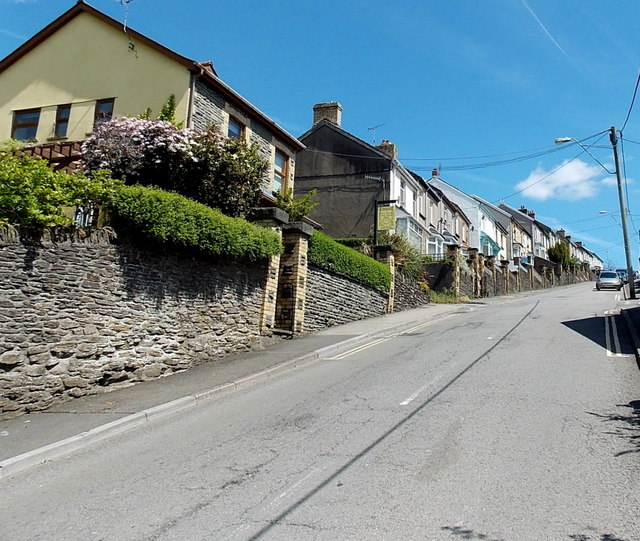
[85,68]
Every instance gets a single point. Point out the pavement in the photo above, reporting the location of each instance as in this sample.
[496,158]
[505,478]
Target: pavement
[37,437]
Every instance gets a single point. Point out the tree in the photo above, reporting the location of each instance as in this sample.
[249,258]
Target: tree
[559,253]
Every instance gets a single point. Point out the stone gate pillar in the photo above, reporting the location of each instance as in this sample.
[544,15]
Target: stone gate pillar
[504,267]
[482,263]
[271,218]
[292,282]
[453,252]
[518,284]
[477,271]
[384,254]
[490,263]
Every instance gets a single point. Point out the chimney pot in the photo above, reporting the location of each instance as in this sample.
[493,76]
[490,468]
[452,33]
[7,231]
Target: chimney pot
[388,148]
[434,172]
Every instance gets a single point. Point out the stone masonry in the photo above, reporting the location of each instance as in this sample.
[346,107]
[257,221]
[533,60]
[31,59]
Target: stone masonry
[79,313]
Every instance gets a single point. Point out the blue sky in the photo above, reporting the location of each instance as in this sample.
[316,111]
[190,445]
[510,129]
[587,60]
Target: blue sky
[455,84]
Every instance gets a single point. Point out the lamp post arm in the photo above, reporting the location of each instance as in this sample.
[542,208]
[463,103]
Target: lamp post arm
[590,154]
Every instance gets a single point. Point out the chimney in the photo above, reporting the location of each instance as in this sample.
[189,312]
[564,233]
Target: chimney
[531,214]
[388,148]
[523,209]
[561,232]
[434,172]
[331,111]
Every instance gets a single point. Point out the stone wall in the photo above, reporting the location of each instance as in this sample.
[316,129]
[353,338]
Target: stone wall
[332,299]
[408,293]
[78,313]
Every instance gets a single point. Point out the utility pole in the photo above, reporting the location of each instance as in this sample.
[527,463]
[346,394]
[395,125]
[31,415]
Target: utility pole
[613,137]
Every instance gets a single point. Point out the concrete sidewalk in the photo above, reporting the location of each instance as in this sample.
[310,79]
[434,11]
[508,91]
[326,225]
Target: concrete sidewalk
[37,437]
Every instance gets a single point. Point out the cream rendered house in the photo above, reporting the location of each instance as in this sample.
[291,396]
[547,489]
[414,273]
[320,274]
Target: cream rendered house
[85,68]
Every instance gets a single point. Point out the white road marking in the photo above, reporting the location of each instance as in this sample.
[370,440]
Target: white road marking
[296,485]
[418,392]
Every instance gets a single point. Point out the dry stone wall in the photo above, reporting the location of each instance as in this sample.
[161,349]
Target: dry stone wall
[332,299]
[77,314]
[408,293]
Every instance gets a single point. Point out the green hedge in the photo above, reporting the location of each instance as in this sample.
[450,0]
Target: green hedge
[170,219]
[326,253]
[354,243]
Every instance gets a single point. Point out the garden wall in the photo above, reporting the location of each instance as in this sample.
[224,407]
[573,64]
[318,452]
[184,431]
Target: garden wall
[81,313]
[333,299]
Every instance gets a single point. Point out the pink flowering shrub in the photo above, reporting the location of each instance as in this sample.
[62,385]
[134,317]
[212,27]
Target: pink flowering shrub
[214,170]
[141,151]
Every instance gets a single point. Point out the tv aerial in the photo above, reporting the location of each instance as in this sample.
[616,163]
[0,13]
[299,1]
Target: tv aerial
[373,129]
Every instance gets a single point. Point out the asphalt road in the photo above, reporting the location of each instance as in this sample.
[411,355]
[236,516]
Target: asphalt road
[508,421]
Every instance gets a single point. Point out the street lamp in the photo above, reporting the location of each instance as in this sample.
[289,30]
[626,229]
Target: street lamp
[613,137]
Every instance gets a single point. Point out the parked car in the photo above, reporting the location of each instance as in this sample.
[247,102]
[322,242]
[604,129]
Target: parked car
[609,280]
[623,274]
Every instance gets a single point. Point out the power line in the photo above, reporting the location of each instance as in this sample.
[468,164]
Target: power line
[633,99]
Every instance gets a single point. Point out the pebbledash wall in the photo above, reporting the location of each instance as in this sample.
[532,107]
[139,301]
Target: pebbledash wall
[77,314]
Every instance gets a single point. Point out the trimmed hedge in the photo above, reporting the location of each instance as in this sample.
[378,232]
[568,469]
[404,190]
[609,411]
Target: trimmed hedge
[326,253]
[354,242]
[170,219]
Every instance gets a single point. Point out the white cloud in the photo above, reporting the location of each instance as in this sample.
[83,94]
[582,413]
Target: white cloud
[572,180]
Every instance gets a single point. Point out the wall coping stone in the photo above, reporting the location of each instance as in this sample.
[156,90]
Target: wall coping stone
[273,213]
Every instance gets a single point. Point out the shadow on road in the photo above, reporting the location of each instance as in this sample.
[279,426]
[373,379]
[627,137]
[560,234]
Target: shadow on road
[466,533]
[595,328]
[625,425]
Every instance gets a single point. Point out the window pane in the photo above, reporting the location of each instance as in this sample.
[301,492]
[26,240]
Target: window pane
[235,129]
[279,171]
[23,134]
[104,111]
[25,124]
[27,117]
[61,129]
[277,182]
[62,120]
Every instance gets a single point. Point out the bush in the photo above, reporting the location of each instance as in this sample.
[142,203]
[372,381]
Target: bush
[141,151]
[327,253]
[217,171]
[173,220]
[228,174]
[296,208]
[33,195]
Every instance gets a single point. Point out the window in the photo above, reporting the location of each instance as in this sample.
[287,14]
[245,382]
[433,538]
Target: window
[279,172]
[62,120]
[403,189]
[235,129]
[104,111]
[25,124]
